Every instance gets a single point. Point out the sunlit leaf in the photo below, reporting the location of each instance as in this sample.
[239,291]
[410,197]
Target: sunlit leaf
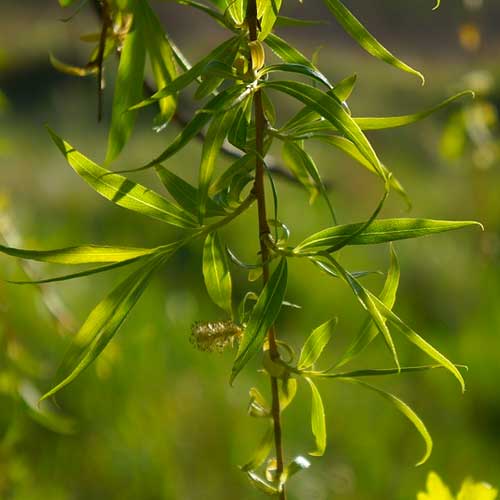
[88,254]
[122,191]
[296,465]
[128,90]
[365,39]
[418,341]
[185,194]
[315,343]
[380,231]
[184,79]
[267,13]
[369,330]
[216,272]
[102,324]
[160,55]
[330,108]
[217,132]
[261,485]
[406,411]
[291,55]
[297,158]
[263,315]
[318,421]
[379,123]
[262,451]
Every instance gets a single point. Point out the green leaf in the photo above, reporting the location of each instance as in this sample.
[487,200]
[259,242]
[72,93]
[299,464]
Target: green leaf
[296,166]
[316,342]
[225,99]
[81,274]
[344,88]
[300,69]
[406,411]
[65,3]
[418,341]
[122,191]
[267,13]
[365,39]
[286,21]
[318,423]
[365,298]
[349,148]
[378,372]
[128,90]
[262,451]
[261,485]
[369,330]
[262,317]
[160,55]
[380,231]
[183,80]
[330,108]
[102,324]
[289,54]
[68,69]
[379,123]
[296,157]
[88,254]
[214,139]
[185,194]
[216,273]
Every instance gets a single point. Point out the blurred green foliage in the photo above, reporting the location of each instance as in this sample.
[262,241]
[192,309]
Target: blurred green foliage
[152,414]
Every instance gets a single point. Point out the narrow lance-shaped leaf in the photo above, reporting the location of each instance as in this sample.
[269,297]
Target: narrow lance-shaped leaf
[160,55]
[262,451]
[184,79]
[365,298]
[290,54]
[349,148]
[122,191]
[225,99]
[214,139]
[302,161]
[300,69]
[418,341]
[185,194]
[306,117]
[262,317]
[261,485]
[316,342]
[216,272]
[380,231]
[385,122]
[379,372]
[101,325]
[405,410]
[365,39]
[128,90]
[330,108]
[318,421]
[267,12]
[369,330]
[87,254]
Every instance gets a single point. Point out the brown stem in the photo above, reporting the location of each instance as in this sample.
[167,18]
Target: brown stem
[260,194]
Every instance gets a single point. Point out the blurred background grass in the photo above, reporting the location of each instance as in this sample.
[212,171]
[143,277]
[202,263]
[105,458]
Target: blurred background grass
[157,419]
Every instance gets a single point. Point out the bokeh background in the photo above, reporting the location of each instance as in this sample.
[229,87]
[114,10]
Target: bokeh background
[154,419]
